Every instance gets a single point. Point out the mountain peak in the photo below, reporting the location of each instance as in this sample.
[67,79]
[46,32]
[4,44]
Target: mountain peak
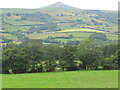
[59,5]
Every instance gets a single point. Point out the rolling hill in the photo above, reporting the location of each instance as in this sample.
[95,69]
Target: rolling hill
[56,17]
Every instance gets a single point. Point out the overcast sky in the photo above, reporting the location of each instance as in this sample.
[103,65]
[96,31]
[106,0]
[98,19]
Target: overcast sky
[83,4]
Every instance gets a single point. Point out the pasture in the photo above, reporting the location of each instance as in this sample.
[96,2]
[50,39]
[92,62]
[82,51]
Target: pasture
[9,36]
[71,79]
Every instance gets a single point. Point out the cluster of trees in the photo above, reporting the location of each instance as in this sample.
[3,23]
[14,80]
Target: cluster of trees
[71,42]
[62,37]
[80,21]
[19,35]
[37,16]
[100,36]
[50,40]
[32,56]
[47,26]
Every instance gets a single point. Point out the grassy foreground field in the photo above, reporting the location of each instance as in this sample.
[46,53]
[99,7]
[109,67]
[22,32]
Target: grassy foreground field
[73,79]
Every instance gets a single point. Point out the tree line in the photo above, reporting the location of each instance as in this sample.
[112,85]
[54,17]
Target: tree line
[31,56]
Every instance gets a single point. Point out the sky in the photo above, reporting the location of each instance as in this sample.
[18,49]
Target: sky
[82,4]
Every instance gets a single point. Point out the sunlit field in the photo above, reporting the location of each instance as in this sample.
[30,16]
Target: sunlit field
[82,29]
[73,79]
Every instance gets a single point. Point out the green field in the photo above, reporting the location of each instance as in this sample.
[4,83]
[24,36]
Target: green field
[9,36]
[72,79]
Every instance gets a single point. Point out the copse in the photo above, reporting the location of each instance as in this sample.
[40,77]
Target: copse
[89,54]
[68,58]
[32,56]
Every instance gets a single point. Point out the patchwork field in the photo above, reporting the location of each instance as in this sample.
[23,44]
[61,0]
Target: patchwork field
[73,79]
[77,36]
[15,28]
[84,35]
[9,36]
[46,35]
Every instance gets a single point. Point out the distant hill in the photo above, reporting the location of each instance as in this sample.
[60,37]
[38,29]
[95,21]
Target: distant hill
[59,5]
[57,16]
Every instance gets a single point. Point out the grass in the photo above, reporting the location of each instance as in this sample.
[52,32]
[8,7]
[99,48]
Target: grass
[73,39]
[18,23]
[73,79]
[80,34]
[12,20]
[10,28]
[1,81]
